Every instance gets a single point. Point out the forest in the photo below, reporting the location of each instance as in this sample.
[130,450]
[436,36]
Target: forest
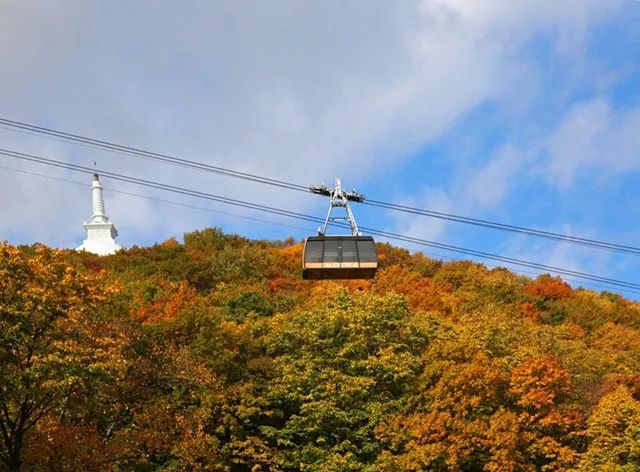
[213,354]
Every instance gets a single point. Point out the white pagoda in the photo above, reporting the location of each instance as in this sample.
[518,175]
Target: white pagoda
[100,231]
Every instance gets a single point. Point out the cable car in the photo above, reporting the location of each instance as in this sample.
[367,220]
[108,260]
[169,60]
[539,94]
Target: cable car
[339,256]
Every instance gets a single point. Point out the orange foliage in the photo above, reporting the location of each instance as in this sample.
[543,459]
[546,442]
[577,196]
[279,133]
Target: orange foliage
[289,258]
[389,255]
[541,386]
[284,284]
[576,331]
[165,305]
[538,382]
[249,367]
[549,288]
[528,310]
[460,406]
[421,293]
[60,446]
[197,449]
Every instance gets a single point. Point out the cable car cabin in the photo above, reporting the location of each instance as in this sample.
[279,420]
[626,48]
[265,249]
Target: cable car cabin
[339,257]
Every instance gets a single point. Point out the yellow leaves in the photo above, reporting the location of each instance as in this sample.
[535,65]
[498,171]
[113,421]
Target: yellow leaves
[614,432]
[504,439]
[430,366]
[292,254]
[170,243]
[615,338]
[323,291]
[44,281]
[48,349]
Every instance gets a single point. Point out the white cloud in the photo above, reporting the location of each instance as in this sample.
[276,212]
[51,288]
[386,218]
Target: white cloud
[489,184]
[514,21]
[561,255]
[302,91]
[594,136]
[476,190]
[419,226]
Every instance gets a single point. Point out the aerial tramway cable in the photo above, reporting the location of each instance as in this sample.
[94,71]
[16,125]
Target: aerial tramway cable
[505,227]
[301,216]
[272,222]
[185,163]
[165,158]
[160,200]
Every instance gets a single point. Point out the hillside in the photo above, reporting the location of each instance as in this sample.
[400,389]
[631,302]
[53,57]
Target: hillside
[214,354]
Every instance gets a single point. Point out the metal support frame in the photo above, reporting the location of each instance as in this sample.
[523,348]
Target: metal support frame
[338,198]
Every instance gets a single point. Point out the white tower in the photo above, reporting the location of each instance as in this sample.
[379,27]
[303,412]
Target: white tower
[100,231]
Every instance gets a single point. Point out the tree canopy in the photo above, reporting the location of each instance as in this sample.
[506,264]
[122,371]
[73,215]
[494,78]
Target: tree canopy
[214,354]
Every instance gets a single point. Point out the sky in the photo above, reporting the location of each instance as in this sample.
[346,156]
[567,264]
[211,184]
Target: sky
[526,113]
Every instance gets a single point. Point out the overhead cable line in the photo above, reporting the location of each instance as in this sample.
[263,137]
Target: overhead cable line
[172,160]
[171,202]
[157,185]
[506,227]
[496,257]
[301,216]
[160,200]
[150,155]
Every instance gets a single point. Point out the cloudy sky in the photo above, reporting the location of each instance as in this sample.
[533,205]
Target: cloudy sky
[516,111]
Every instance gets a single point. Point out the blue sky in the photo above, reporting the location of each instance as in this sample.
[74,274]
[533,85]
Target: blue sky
[521,112]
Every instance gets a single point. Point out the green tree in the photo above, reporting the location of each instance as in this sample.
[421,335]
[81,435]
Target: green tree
[339,370]
[47,346]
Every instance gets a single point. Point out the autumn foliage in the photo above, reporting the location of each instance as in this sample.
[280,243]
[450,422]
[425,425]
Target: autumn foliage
[213,354]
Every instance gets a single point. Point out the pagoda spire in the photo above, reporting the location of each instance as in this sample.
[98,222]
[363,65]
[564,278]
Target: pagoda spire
[99,215]
[100,231]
